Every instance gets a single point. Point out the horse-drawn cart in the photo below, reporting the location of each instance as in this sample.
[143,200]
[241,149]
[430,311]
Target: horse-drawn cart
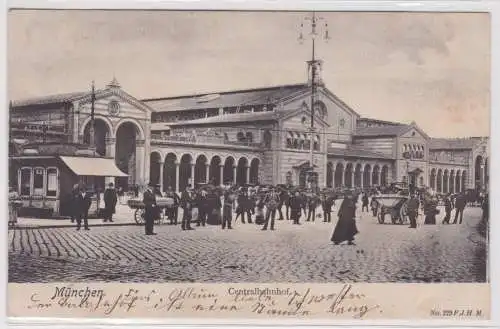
[395,205]
[161,204]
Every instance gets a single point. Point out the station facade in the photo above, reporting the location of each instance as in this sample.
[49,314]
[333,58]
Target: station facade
[260,135]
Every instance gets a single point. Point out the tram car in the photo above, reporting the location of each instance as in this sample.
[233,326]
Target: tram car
[45,175]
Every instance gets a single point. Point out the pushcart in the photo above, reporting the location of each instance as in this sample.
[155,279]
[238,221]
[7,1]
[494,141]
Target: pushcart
[161,204]
[396,206]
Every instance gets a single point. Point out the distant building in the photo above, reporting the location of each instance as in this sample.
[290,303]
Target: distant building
[248,136]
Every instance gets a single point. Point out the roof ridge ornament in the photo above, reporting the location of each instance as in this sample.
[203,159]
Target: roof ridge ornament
[114,83]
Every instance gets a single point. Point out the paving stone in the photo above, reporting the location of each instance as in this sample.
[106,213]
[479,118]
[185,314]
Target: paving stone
[383,253]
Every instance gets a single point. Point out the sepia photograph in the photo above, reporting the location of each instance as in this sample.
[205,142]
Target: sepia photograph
[159,146]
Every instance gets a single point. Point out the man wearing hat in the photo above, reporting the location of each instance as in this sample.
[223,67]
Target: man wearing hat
[110,200]
[149,200]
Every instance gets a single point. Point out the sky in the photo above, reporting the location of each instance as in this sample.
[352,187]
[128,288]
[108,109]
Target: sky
[431,68]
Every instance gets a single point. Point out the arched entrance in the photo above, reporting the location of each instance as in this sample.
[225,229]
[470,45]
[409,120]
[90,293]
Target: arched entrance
[170,172]
[478,171]
[185,166]
[200,170]
[452,181]
[432,179]
[376,175]
[357,176]
[228,177]
[439,181]
[329,174]
[126,155]
[464,180]
[155,167]
[445,181]
[241,171]
[254,171]
[348,175]
[215,165]
[458,178]
[384,175]
[101,132]
[339,175]
[367,175]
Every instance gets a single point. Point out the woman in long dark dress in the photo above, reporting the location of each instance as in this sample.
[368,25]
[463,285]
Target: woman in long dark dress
[346,229]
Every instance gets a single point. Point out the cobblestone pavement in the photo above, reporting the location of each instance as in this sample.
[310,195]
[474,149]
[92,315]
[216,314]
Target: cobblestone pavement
[383,253]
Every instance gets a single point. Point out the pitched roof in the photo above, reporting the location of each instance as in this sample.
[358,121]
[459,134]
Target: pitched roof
[352,151]
[259,96]
[452,143]
[229,118]
[393,130]
[50,99]
[364,119]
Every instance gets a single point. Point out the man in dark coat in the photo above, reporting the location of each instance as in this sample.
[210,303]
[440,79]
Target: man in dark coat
[83,202]
[172,211]
[412,208]
[271,201]
[346,229]
[447,209]
[227,210]
[364,200]
[312,205]
[326,204]
[149,200]
[187,199]
[460,203]
[202,208]
[110,200]
[296,207]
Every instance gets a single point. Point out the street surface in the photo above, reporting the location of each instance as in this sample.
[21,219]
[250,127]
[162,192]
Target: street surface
[291,253]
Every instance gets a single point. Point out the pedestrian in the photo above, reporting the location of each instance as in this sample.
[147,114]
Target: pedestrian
[364,200]
[460,203]
[412,208]
[346,229]
[172,209]
[312,205]
[295,207]
[84,201]
[326,204]
[283,197]
[110,200]
[73,202]
[150,209]
[271,201]
[242,204]
[259,210]
[227,210]
[447,209]
[202,208]
[186,205]
[374,205]
[430,211]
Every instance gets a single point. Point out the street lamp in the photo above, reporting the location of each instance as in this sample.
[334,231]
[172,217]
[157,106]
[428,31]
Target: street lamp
[314,66]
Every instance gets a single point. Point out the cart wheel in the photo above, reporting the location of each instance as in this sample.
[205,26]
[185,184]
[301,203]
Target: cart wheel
[139,216]
[381,216]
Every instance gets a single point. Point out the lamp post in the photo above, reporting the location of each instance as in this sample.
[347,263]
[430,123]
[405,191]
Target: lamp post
[314,67]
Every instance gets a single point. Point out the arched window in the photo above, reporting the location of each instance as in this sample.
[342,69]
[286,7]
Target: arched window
[307,141]
[240,137]
[316,143]
[296,138]
[289,139]
[249,137]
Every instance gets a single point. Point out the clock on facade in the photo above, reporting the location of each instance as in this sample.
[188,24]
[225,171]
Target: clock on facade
[114,107]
